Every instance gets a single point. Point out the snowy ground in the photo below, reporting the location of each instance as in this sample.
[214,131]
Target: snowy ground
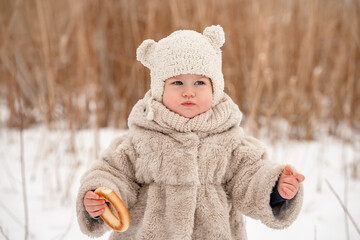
[53,171]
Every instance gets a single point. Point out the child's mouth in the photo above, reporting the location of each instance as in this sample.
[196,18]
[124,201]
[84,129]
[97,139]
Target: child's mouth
[188,104]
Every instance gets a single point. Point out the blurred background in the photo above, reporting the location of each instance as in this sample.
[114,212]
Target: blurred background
[69,79]
[284,61]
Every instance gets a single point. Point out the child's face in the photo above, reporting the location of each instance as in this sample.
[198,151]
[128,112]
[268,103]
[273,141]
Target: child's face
[188,95]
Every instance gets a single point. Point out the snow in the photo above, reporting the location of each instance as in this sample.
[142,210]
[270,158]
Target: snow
[56,159]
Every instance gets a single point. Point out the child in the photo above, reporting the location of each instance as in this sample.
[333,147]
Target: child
[186,170]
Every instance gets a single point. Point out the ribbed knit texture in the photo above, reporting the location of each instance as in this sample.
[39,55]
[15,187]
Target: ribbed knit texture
[205,122]
[185,52]
[218,118]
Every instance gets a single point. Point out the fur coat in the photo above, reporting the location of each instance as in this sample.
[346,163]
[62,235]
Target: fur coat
[186,178]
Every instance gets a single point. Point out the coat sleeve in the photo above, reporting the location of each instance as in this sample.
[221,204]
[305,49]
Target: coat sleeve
[113,170]
[252,182]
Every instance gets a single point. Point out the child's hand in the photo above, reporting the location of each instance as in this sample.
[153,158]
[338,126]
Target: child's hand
[93,205]
[289,183]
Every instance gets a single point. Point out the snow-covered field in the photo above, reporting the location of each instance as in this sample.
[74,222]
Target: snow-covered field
[53,166]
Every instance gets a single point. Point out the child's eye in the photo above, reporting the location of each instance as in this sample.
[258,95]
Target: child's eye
[199,83]
[177,83]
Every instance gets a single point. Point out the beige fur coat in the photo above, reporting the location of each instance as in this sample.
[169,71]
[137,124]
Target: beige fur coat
[187,178]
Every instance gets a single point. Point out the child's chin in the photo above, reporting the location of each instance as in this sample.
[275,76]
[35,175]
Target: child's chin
[187,115]
[190,115]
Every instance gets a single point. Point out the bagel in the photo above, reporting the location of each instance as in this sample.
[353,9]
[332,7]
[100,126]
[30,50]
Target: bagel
[120,223]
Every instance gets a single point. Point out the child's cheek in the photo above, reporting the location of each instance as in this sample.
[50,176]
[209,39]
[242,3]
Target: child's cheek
[207,102]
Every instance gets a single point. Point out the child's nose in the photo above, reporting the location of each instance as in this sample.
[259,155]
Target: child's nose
[188,93]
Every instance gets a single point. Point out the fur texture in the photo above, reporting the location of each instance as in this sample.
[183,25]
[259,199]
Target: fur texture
[186,178]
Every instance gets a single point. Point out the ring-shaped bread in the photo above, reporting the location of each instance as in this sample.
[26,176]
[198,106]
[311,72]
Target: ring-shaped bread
[121,223]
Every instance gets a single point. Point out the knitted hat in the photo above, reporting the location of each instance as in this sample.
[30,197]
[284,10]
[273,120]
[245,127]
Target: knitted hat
[185,52]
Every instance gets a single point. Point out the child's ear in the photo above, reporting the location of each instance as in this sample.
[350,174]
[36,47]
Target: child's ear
[216,35]
[145,53]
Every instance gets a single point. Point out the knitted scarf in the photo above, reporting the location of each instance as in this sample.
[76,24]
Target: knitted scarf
[219,118]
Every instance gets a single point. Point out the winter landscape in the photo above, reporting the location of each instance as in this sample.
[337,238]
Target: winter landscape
[69,77]
[52,173]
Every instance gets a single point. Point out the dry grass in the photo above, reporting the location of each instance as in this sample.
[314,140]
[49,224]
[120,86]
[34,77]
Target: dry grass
[293,60]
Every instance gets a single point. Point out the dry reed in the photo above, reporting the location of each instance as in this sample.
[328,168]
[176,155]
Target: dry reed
[292,60]
[346,211]
[22,161]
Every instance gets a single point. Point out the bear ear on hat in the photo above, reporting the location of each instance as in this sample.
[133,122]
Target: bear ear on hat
[145,52]
[216,35]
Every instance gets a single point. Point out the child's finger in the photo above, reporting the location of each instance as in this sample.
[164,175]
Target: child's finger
[287,170]
[91,195]
[94,202]
[97,213]
[300,178]
[291,181]
[95,208]
[287,193]
[290,187]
